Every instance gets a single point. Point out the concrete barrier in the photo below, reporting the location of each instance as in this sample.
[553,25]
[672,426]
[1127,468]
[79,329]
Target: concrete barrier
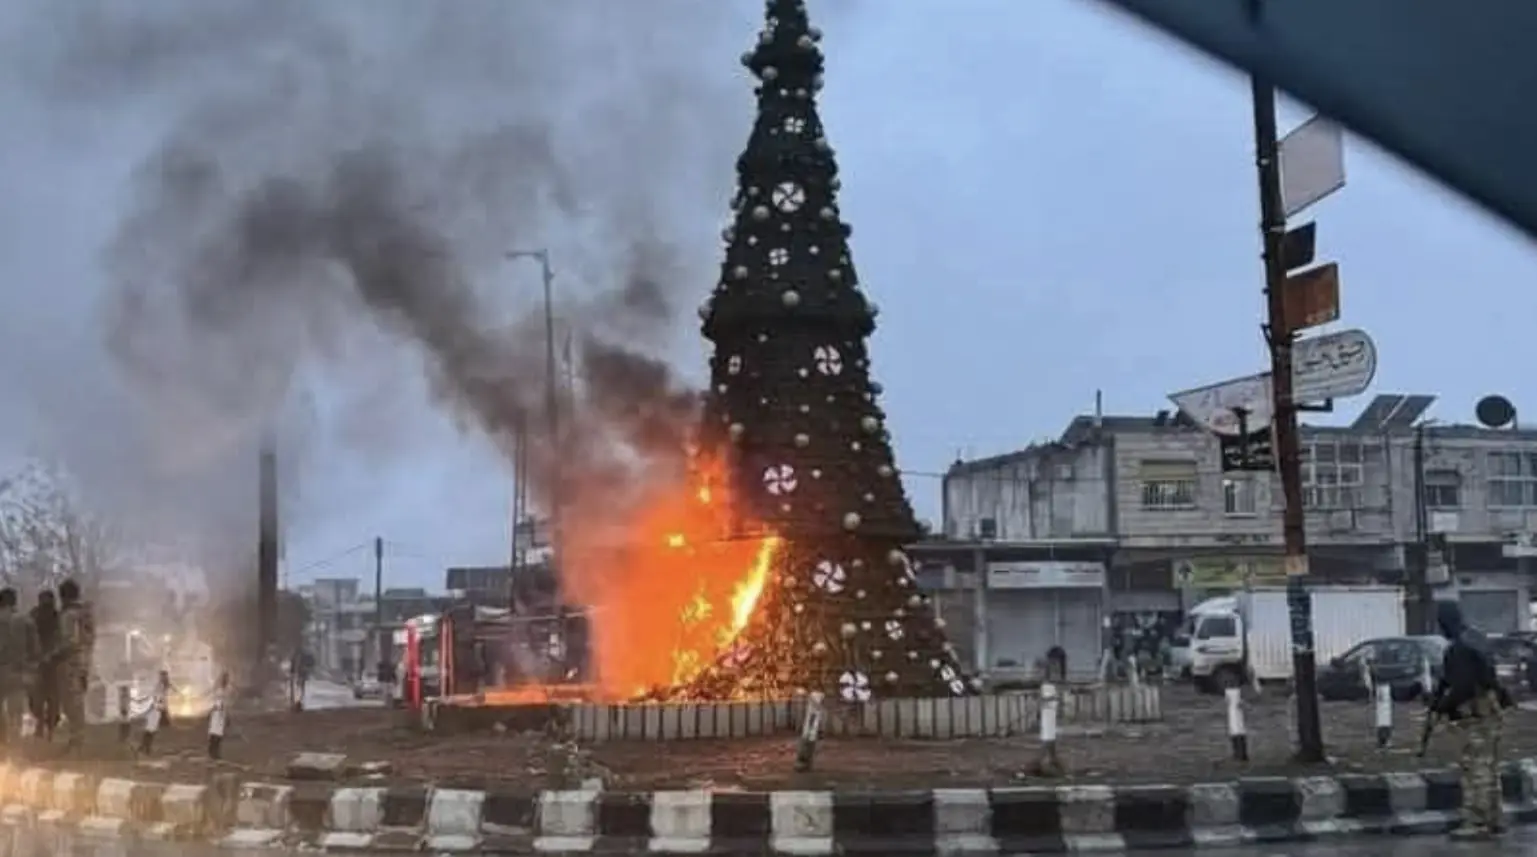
[985,716]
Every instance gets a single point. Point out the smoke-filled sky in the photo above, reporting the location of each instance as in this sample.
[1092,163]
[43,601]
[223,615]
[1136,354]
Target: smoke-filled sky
[218,214]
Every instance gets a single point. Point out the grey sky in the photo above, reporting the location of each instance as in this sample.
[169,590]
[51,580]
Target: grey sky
[1046,198]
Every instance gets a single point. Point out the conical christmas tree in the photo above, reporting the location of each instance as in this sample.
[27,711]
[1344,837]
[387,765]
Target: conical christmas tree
[796,416]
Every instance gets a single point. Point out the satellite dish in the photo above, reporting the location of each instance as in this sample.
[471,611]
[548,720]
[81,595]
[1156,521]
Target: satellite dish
[1495,411]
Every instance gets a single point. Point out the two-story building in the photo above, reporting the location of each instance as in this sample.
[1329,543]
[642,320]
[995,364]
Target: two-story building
[1144,503]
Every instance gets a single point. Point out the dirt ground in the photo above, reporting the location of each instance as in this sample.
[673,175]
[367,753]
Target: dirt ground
[1190,745]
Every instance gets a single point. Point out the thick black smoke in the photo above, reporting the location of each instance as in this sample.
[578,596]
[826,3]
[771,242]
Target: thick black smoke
[337,185]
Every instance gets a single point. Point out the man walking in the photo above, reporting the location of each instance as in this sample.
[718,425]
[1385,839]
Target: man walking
[45,683]
[1470,698]
[77,645]
[18,663]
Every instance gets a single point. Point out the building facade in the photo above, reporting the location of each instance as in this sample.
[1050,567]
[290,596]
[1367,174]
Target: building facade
[339,622]
[1146,497]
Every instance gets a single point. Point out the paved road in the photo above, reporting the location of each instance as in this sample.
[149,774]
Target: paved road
[329,694]
[1521,843]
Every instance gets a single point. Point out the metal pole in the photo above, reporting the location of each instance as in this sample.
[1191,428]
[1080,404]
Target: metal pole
[1288,458]
[1421,607]
[379,646]
[552,402]
[519,474]
[551,387]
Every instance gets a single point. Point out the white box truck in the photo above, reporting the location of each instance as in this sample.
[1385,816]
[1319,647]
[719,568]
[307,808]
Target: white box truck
[1342,617]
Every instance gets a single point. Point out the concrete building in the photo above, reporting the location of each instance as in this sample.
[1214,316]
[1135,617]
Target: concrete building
[339,621]
[1144,502]
[342,618]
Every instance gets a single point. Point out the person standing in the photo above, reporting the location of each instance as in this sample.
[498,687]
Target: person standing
[45,689]
[1470,698]
[77,645]
[18,663]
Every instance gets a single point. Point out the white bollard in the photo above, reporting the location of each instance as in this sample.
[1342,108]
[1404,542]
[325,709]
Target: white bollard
[1237,735]
[1050,764]
[811,732]
[218,717]
[1383,694]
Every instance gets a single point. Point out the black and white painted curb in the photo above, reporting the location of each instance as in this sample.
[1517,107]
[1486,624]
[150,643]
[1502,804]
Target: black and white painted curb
[952,822]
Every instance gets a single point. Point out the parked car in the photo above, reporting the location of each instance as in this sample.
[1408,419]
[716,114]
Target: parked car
[1515,657]
[1401,662]
[368,687]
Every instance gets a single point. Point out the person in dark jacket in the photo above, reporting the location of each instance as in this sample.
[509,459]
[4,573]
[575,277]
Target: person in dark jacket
[45,691]
[1471,699]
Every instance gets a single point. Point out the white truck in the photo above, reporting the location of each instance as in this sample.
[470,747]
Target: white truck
[1342,617]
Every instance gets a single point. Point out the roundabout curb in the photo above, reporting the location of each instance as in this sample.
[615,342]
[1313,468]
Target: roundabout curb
[42,806]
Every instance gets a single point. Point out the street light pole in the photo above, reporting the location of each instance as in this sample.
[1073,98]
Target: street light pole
[1280,334]
[551,394]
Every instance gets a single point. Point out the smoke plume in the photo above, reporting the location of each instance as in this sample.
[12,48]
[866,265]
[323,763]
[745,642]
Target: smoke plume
[329,195]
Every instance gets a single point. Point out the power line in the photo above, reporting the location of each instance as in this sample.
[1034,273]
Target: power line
[332,559]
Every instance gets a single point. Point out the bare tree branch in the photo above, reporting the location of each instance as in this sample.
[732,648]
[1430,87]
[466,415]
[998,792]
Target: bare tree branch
[46,534]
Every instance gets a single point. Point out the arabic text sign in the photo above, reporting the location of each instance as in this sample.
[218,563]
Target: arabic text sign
[1215,406]
[1331,366]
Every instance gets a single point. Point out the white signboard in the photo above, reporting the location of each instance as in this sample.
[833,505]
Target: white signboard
[1520,546]
[1216,406]
[1045,575]
[1331,366]
[1312,163]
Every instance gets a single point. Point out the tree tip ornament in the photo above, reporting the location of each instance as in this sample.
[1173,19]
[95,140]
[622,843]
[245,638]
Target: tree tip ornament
[808,452]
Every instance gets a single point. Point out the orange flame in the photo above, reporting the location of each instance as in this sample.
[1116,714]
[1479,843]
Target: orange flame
[674,593]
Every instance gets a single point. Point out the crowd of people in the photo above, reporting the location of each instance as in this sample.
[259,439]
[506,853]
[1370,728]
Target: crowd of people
[45,663]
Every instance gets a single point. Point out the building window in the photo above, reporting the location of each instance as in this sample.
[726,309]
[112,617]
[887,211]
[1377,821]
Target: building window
[1332,474]
[1512,479]
[1443,489]
[1168,485]
[1238,497]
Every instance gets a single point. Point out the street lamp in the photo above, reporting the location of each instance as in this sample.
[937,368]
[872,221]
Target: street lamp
[551,401]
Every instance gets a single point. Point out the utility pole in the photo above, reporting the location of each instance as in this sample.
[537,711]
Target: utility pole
[266,557]
[1280,335]
[379,644]
[551,391]
[519,490]
[1422,604]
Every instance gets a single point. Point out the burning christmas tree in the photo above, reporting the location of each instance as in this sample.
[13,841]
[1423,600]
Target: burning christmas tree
[793,412]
